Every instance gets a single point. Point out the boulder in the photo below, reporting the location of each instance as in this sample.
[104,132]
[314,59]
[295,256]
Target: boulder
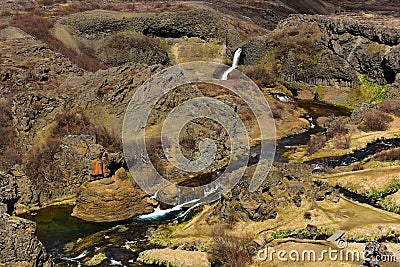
[19,245]
[373,252]
[111,199]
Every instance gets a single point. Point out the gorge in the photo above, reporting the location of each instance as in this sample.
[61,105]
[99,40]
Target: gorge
[329,71]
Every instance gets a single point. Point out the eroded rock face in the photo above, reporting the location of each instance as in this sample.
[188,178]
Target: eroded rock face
[369,44]
[8,193]
[122,38]
[29,109]
[329,50]
[284,184]
[195,23]
[73,165]
[287,184]
[393,90]
[46,69]
[19,245]
[111,199]
[254,50]
[104,95]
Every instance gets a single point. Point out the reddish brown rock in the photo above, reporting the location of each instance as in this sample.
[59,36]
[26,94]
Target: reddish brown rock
[111,199]
[97,167]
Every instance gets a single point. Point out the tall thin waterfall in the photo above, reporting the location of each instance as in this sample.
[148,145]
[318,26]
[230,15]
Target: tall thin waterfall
[235,63]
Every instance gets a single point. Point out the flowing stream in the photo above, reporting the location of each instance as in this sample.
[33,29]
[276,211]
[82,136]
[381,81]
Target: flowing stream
[58,230]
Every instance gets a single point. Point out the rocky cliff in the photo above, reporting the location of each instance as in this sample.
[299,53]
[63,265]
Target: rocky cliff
[9,194]
[356,54]
[151,38]
[317,50]
[19,245]
[67,120]
[369,43]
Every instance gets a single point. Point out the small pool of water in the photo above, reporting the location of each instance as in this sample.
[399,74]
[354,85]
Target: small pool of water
[317,109]
[56,227]
[59,231]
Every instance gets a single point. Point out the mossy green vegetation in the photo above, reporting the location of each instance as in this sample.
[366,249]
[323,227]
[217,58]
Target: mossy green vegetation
[390,188]
[314,60]
[282,234]
[389,204]
[369,91]
[375,48]
[96,260]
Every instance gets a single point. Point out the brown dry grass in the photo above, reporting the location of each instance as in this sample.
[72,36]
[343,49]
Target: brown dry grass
[38,26]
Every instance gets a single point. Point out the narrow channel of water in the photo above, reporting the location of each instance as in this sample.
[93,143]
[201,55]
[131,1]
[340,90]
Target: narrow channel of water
[359,154]
[314,109]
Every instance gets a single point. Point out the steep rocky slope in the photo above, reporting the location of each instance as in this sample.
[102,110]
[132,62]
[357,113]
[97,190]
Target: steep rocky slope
[385,7]
[341,51]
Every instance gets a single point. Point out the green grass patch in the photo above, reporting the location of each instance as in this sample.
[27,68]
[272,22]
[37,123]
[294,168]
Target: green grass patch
[374,93]
[281,234]
[391,188]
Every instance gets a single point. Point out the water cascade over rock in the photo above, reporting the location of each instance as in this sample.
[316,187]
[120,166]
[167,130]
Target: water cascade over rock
[235,63]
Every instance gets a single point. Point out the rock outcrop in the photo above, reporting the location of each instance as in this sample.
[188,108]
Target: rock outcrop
[8,193]
[374,252]
[124,48]
[329,70]
[28,109]
[393,90]
[104,95]
[370,44]
[19,245]
[94,25]
[70,169]
[285,184]
[111,199]
[150,38]
[30,64]
[327,51]
[254,50]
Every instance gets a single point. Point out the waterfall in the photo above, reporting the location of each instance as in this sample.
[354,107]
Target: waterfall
[312,124]
[235,63]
